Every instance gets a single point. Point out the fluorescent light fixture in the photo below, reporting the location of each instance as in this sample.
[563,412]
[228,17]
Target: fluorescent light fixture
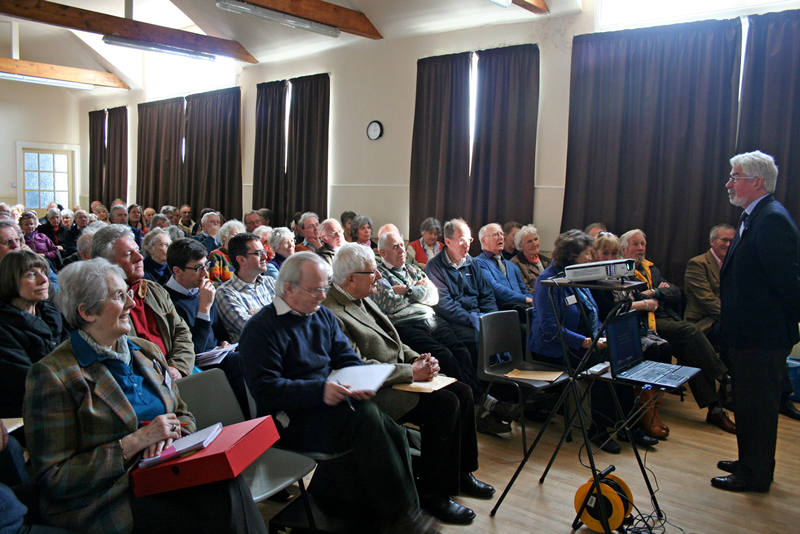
[46,81]
[502,3]
[275,16]
[149,46]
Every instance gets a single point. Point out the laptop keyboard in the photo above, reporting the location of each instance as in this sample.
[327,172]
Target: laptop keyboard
[654,371]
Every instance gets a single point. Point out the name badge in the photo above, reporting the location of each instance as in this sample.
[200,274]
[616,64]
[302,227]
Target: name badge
[572,299]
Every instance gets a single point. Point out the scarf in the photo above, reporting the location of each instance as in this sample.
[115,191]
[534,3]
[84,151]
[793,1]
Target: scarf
[646,276]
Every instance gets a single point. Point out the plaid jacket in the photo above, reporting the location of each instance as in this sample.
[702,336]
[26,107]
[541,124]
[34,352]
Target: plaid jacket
[74,419]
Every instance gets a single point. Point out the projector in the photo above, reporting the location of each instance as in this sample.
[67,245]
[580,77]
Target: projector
[600,270]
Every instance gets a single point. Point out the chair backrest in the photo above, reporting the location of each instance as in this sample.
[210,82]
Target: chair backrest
[499,334]
[210,398]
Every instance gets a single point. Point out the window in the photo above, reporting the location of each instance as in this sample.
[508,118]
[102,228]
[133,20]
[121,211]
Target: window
[46,174]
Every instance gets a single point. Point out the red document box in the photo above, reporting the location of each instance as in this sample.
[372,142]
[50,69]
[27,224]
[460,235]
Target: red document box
[232,452]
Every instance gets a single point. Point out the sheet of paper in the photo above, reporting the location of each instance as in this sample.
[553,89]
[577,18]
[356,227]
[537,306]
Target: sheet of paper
[545,376]
[214,356]
[12,423]
[362,377]
[426,387]
[192,442]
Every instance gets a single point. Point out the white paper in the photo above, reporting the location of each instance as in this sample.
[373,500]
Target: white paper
[362,377]
[192,442]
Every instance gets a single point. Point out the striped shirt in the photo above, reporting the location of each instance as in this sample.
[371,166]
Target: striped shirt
[235,300]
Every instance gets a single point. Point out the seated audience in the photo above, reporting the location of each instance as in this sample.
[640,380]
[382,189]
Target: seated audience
[172,214]
[427,246]
[292,345]
[159,220]
[209,237]
[185,221]
[50,206]
[297,229]
[102,213]
[11,238]
[174,232]
[147,216]
[220,268]
[84,249]
[154,318]
[361,231]
[252,220]
[332,237]
[37,241]
[83,421]
[266,216]
[154,250]
[80,222]
[346,219]
[249,289]
[53,229]
[5,211]
[530,261]
[510,230]
[282,242]
[595,228]
[30,325]
[119,215]
[135,218]
[67,217]
[504,277]
[264,233]
[309,226]
[446,417]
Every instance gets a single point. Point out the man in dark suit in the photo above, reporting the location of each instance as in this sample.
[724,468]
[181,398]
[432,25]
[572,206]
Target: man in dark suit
[760,297]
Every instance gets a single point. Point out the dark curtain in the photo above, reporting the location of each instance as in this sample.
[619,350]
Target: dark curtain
[214,152]
[652,126]
[504,150]
[159,163]
[770,113]
[440,143]
[116,179]
[269,169]
[97,156]
[307,167]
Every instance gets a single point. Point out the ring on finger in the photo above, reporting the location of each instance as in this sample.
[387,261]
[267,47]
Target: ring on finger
[173,428]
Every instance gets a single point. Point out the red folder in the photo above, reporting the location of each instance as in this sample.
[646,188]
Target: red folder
[229,454]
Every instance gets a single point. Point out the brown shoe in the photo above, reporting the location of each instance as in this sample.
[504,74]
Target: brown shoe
[651,418]
[721,420]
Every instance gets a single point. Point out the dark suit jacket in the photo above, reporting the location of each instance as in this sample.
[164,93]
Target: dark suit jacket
[702,291]
[760,281]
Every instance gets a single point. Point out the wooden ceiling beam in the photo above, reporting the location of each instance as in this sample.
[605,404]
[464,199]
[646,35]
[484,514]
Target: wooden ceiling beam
[57,72]
[538,7]
[91,21]
[347,20]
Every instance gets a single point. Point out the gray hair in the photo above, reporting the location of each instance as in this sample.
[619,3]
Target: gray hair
[758,164]
[358,222]
[228,229]
[261,230]
[351,258]
[9,223]
[305,216]
[84,243]
[77,212]
[115,208]
[292,269]
[167,209]
[158,217]
[523,233]
[150,240]
[328,222]
[104,239]
[74,291]
[450,227]
[52,212]
[431,223]
[174,232]
[382,239]
[484,231]
[206,216]
[67,213]
[278,235]
[624,238]
[715,231]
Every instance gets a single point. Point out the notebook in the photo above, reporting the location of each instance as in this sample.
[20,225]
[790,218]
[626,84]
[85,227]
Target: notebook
[627,362]
[186,444]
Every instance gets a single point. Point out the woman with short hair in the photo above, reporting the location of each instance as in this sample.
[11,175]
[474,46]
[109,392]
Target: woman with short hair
[282,242]
[154,250]
[361,231]
[428,245]
[220,267]
[529,259]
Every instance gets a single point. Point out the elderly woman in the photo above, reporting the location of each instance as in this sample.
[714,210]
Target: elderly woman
[135,218]
[154,250]
[159,220]
[530,261]
[53,229]
[30,325]
[579,316]
[38,242]
[282,242]
[264,233]
[67,217]
[361,231]
[347,219]
[220,268]
[428,245]
[85,412]
[102,214]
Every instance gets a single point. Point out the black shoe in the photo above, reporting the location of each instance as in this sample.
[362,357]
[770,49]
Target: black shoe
[487,423]
[415,521]
[789,410]
[475,488]
[729,466]
[738,483]
[446,509]
[506,411]
[604,441]
[642,439]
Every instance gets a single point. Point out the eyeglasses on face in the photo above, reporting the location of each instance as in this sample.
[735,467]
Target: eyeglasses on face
[735,179]
[373,273]
[316,292]
[121,296]
[197,268]
[496,234]
[261,252]
[12,243]
[464,241]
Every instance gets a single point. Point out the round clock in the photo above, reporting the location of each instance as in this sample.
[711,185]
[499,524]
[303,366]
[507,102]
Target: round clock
[374,130]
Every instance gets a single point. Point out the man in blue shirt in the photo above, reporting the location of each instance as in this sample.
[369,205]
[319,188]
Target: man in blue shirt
[504,277]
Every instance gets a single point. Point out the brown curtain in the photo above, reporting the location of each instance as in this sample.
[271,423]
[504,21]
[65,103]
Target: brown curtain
[214,152]
[97,156]
[116,179]
[504,150]
[440,143]
[770,116]
[269,169]
[307,167]
[159,162]
[652,125]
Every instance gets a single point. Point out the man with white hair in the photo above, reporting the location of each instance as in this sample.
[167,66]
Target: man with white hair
[309,226]
[332,237]
[446,417]
[760,309]
[504,277]
[209,236]
[83,251]
[689,345]
[74,232]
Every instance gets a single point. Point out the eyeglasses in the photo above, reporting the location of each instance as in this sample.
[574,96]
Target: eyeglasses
[259,253]
[735,179]
[463,241]
[496,234]
[317,292]
[121,296]
[10,243]
[373,273]
[197,268]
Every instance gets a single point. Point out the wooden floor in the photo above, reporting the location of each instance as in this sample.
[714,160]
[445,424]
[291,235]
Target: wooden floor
[681,466]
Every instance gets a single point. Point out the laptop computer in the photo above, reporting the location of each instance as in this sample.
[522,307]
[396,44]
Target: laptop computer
[627,362]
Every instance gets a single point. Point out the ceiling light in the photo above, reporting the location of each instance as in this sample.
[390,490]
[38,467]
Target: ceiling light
[502,3]
[150,46]
[46,81]
[275,16]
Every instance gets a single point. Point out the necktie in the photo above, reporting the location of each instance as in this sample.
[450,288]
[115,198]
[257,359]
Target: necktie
[500,263]
[742,219]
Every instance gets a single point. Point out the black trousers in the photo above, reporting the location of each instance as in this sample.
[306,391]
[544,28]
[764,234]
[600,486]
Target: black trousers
[435,335]
[446,419]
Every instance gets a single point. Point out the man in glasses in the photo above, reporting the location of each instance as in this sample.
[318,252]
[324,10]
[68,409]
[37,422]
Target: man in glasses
[249,289]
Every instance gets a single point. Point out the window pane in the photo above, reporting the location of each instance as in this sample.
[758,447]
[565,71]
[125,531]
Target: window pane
[32,199]
[47,181]
[45,198]
[31,180]
[62,197]
[31,161]
[46,162]
[61,161]
[62,181]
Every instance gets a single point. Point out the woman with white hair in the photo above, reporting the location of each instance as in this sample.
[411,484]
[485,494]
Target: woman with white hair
[282,242]
[220,268]
[154,249]
[53,229]
[530,261]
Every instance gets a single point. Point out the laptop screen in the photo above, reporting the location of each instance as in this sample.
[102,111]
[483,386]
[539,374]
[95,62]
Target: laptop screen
[624,345]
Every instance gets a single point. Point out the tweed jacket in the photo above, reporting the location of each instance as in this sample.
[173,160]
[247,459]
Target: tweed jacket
[74,419]
[377,341]
[174,331]
[529,270]
[702,291]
